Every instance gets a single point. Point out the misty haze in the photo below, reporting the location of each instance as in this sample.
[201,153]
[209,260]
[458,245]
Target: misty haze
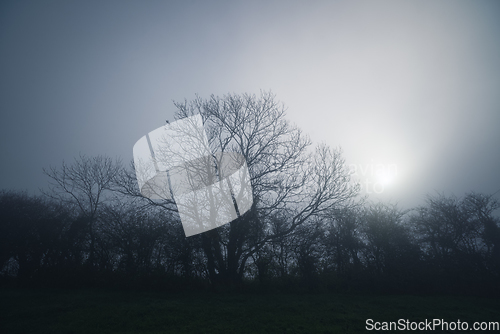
[249,167]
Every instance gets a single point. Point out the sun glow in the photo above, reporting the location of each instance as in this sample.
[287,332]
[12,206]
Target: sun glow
[385,177]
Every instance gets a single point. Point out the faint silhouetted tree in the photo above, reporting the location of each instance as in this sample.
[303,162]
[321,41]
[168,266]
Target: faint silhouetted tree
[390,251]
[481,208]
[460,237]
[31,232]
[309,251]
[83,186]
[343,243]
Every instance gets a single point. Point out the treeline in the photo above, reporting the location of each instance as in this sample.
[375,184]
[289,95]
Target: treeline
[306,228]
[448,245]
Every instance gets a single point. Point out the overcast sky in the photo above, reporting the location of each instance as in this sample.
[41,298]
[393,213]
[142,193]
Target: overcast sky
[409,88]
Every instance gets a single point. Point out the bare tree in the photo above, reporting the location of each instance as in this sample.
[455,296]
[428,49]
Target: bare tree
[83,185]
[31,233]
[460,234]
[389,248]
[290,181]
[344,240]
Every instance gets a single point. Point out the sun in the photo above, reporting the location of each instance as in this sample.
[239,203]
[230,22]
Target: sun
[384,177]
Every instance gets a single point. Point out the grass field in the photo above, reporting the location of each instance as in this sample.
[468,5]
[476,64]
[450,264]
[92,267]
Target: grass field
[106,311]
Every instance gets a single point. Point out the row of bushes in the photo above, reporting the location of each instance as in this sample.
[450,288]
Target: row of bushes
[449,244]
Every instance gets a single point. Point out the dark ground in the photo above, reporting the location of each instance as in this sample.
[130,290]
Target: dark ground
[113,311]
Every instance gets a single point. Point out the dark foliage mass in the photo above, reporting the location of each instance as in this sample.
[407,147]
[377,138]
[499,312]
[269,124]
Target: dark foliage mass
[306,229]
[447,245]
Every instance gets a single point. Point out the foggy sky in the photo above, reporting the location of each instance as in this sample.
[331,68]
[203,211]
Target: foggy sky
[411,84]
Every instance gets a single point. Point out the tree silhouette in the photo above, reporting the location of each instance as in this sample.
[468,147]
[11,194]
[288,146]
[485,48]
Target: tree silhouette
[289,179]
[32,233]
[459,237]
[83,186]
